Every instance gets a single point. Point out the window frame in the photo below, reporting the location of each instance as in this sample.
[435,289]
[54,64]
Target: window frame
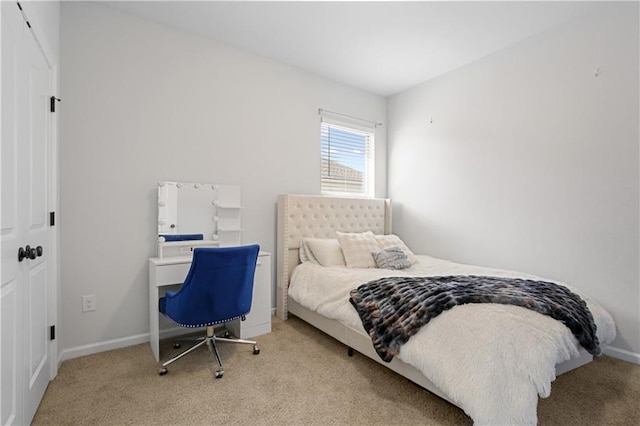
[368,157]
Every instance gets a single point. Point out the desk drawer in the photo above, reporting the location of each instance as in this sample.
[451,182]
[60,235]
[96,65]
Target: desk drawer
[171,274]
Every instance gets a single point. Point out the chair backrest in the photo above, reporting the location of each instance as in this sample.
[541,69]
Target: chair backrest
[218,287]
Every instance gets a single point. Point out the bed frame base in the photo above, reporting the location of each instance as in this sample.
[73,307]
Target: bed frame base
[355,340]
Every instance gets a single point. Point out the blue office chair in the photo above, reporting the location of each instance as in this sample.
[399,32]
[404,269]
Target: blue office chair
[218,289]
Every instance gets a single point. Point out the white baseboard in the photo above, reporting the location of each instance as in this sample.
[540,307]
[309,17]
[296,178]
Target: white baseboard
[123,342]
[622,354]
[107,345]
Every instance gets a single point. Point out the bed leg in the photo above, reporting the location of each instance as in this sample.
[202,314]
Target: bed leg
[350,351]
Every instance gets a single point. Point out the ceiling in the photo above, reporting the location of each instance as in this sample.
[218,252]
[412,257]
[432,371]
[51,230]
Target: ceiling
[380,47]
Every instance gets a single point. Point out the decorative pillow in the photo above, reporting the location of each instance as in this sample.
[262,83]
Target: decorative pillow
[305,254]
[391,258]
[391,240]
[357,248]
[326,251]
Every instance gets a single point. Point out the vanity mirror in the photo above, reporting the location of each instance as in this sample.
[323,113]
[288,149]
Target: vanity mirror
[194,214]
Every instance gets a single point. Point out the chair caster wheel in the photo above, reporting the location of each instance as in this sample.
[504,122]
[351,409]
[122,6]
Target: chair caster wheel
[256,350]
[219,374]
[163,371]
[177,345]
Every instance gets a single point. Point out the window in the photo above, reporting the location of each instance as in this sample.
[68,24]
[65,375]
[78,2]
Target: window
[347,159]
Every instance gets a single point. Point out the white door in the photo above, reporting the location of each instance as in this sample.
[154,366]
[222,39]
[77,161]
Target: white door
[24,343]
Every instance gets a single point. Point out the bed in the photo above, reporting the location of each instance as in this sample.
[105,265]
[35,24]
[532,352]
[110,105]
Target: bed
[492,361]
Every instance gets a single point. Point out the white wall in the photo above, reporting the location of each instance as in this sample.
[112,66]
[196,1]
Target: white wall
[531,162]
[143,103]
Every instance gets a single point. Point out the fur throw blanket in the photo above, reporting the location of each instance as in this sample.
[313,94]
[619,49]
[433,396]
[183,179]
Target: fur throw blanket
[393,309]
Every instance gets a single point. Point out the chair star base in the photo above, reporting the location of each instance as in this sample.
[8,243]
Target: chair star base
[210,340]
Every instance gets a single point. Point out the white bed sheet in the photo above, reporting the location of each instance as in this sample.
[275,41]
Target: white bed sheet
[492,360]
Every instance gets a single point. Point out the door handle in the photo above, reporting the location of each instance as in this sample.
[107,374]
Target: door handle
[29,252]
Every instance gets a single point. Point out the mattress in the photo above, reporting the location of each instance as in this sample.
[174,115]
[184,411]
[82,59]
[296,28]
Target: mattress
[491,360]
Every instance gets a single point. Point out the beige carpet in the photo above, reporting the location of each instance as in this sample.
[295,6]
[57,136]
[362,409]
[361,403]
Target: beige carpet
[301,377]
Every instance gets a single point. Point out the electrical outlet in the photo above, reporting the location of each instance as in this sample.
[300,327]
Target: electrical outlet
[89,303]
[186,250]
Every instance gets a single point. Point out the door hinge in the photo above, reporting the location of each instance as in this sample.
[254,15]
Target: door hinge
[52,332]
[53,100]
[23,15]
[52,218]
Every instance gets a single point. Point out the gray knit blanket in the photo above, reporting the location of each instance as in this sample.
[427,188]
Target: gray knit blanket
[393,309]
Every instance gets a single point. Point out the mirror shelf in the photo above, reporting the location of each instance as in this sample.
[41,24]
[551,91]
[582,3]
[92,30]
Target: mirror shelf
[226,206]
[183,248]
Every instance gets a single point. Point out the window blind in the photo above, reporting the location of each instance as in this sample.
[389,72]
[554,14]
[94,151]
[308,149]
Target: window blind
[347,159]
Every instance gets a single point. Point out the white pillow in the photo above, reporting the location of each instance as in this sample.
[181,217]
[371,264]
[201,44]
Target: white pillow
[305,254]
[391,240]
[357,248]
[326,251]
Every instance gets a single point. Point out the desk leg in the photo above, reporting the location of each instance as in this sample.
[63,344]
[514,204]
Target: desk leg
[154,322]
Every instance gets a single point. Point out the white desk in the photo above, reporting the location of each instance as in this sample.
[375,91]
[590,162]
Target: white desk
[171,271]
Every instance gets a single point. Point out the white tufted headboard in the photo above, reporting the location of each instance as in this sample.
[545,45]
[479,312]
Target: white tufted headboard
[307,216]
